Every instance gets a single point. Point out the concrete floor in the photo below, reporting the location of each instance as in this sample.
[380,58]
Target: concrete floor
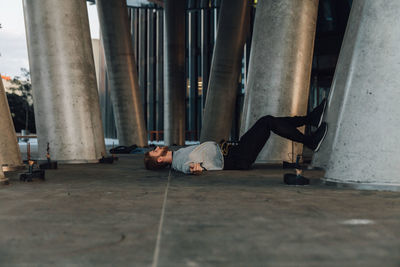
[123,215]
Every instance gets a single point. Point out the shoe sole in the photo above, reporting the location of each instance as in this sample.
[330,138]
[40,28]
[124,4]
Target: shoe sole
[322,115]
[322,139]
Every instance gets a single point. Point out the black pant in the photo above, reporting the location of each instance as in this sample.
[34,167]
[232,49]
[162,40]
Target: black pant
[242,156]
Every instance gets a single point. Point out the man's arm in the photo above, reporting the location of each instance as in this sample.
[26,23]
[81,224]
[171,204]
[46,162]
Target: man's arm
[195,168]
[191,168]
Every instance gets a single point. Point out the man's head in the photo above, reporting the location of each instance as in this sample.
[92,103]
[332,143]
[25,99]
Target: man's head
[157,158]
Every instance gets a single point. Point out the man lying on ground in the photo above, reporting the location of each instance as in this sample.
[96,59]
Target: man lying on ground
[210,156]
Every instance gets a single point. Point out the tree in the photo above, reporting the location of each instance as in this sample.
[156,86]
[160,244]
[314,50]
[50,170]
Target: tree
[20,101]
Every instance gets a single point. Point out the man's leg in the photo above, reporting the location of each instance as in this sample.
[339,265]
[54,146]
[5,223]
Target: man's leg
[314,118]
[296,121]
[251,143]
[256,137]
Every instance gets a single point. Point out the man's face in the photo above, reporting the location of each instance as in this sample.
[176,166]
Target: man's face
[159,151]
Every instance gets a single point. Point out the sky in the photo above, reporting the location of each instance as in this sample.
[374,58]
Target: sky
[13,50]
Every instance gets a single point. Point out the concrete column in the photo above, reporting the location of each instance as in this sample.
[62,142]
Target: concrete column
[174,71]
[362,144]
[10,154]
[125,94]
[225,69]
[280,69]
[64,83]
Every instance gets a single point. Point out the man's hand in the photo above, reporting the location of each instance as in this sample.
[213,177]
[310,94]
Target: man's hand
[195,168]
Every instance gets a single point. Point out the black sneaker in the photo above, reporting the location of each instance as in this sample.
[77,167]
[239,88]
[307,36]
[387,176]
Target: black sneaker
[318,137]
[316,115]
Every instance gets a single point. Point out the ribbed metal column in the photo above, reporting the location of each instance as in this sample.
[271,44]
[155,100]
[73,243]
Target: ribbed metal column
[160,71]
[205,50]
[280,68]
[174,71]
[151,73]
[142,62]
[64,83]
[134,16]
[125,94]
[10,154]
[362,145]
[107,112]
[193,74]
[225,69]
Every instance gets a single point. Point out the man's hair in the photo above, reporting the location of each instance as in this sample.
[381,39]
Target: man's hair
[151,163]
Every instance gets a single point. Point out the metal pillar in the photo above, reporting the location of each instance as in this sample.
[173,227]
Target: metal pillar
[159,71]
[363,113]
[142,62]
[10,155]
[125,94]
[174,70]
[225,69]
[107,112]
[205,54]
[193,76]
[151,94]
[280,69]
[64,83]
[134,30]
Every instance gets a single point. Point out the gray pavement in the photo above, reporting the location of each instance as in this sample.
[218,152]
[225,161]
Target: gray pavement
[123,215]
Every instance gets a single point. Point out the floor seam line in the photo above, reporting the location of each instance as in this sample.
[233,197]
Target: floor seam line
[160,226]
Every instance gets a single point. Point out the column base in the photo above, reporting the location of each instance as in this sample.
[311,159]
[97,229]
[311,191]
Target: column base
[269,162]
[75,161]
[361,186]
[4,182]
[3,179]
[12,168]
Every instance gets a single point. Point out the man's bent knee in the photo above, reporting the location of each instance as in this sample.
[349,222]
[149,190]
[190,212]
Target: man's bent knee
[268,119]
